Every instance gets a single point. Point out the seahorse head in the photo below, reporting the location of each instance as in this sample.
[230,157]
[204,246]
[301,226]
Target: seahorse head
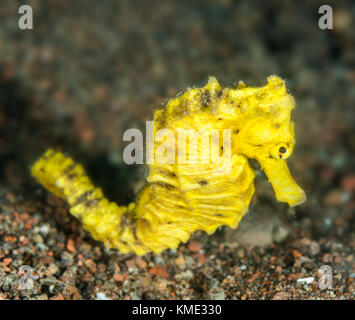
[267,134]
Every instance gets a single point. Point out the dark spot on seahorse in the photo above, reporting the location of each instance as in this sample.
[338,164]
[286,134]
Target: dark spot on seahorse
[222,149]
[134,230]
[236,131]
[203,182]
[125,220]
[72,175]
[205,98]
[83,197]
[124,242]
[181,109]
[164,185]
[69,168]
[93,202]
[219,93]
[161,123]
[161,119]
[168,173]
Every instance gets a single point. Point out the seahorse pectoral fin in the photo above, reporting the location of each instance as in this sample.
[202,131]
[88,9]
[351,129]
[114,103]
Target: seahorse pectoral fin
[285,188]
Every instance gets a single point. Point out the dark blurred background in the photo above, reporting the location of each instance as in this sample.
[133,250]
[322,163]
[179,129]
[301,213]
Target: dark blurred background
[89,70]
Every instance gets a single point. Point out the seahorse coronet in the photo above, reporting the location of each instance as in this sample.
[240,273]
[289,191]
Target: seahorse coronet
[181,198]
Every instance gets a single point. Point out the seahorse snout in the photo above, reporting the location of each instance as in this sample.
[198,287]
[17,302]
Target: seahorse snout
[285,187]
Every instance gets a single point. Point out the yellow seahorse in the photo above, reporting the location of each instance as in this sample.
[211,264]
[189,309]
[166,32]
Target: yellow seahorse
[182,198]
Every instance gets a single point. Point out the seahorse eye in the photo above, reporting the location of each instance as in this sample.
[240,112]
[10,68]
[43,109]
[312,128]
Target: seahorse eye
[282,150]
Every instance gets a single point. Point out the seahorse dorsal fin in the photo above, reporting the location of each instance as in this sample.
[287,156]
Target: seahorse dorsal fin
[276,82]
[212,84]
